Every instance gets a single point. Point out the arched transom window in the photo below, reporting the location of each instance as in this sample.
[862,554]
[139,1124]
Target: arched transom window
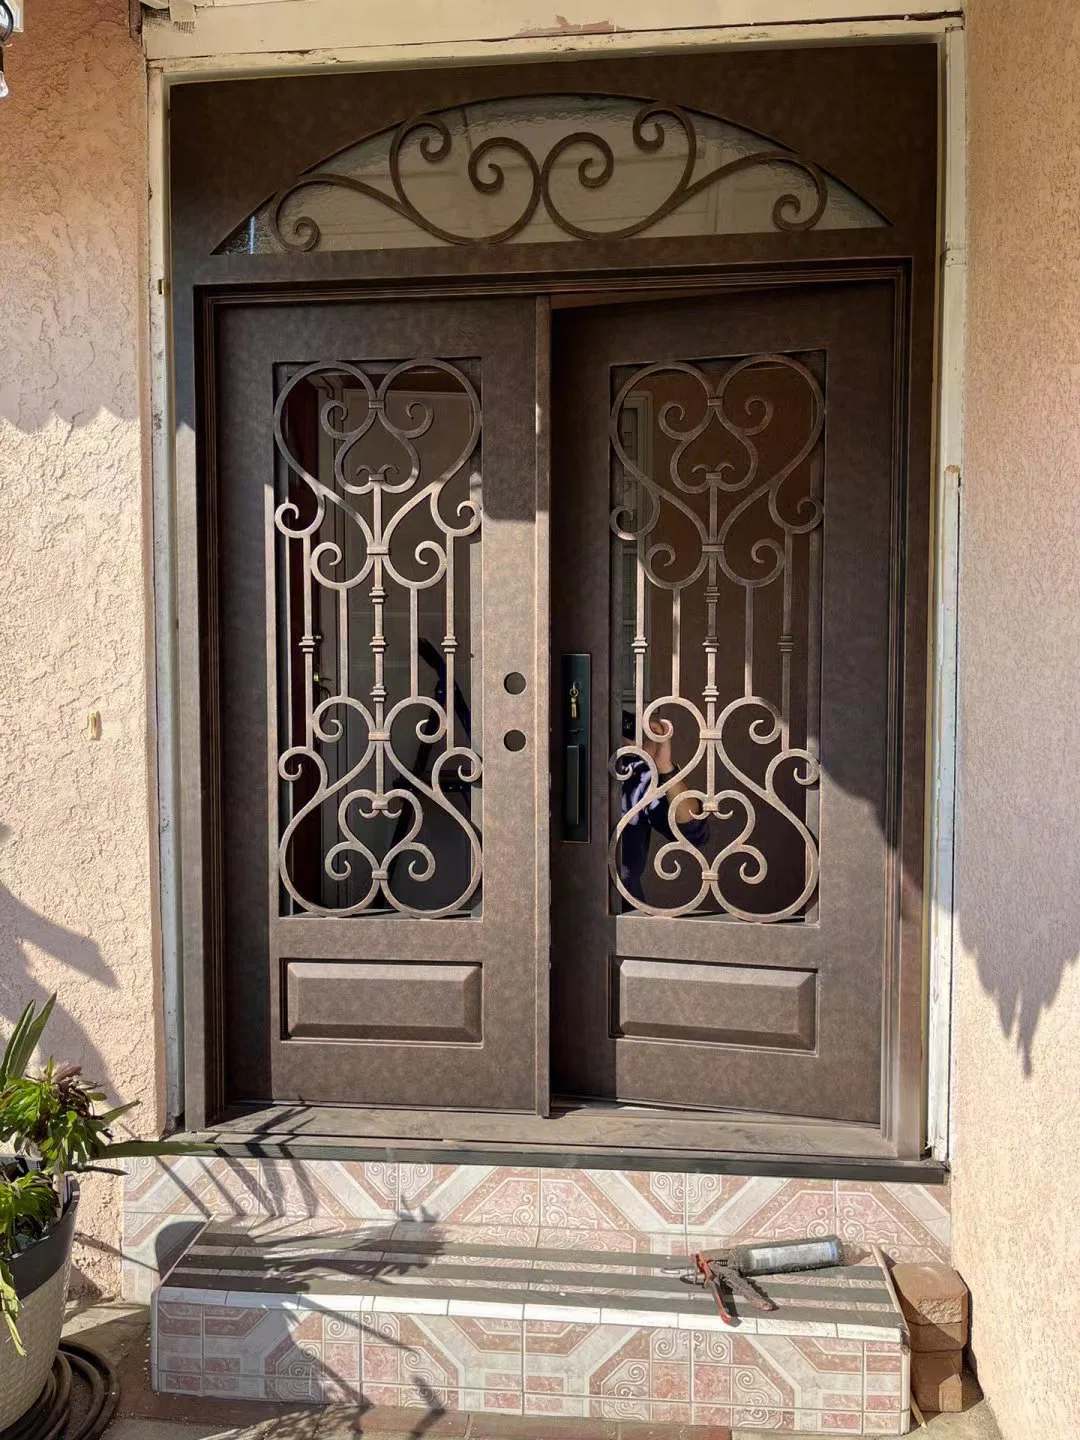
[549,168]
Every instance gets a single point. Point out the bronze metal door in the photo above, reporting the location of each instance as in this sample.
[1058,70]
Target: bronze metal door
[726,484]
[374,522]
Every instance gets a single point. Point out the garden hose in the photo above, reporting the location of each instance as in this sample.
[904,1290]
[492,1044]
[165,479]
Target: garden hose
[78,1400]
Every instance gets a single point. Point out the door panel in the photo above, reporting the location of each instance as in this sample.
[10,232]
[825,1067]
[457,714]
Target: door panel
[376,517]
[724,471]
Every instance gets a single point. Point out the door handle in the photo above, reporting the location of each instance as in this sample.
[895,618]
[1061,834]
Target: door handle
[576,717]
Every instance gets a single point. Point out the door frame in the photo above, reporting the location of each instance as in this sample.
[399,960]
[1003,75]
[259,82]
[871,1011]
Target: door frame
[170,463]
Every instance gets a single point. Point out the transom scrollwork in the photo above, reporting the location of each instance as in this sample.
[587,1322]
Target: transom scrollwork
[377,515]
[717,505]
[562,167]
[594,170]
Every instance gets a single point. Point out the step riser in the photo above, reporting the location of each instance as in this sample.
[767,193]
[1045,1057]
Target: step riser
[164,1201]
[472,1318]
[301,1351]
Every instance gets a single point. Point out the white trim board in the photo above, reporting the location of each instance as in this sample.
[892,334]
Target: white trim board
[337,31]
[944,638]
[163,538]
[173,65]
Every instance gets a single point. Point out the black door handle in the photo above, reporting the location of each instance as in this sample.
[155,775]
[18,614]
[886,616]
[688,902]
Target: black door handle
[576,715]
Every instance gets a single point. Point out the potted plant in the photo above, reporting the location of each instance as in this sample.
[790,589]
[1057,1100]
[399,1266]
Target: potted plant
[51,1128]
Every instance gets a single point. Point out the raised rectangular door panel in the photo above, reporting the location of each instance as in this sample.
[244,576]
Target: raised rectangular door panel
[726,534]
[351,1000]
[375,514]
[715,1004]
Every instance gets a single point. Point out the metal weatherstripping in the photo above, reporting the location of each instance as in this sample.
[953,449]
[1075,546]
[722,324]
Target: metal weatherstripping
[556,167]
[377,516]
[716,522]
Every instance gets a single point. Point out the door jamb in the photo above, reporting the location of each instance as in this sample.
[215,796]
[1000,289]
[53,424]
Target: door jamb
[182,1018]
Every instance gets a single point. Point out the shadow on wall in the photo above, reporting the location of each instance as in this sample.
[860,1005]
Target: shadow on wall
[72,191]
[23,930]
[1018,893]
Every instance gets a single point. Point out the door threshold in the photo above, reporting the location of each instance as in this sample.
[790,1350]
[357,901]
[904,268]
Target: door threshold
[600,1136]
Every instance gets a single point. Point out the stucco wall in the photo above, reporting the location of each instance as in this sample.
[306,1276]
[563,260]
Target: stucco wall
[75,880]
[1016,1197]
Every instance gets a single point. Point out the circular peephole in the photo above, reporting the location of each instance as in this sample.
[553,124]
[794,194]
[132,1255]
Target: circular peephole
[514,682]
[514,740]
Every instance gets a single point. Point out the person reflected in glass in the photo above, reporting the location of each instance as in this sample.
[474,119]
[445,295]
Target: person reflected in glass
[656,816]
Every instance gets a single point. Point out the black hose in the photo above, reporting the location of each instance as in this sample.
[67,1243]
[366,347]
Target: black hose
[53,1416]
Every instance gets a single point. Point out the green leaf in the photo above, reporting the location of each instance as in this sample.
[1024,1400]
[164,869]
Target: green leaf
[114,1114]
[24,1041]
[9,1305]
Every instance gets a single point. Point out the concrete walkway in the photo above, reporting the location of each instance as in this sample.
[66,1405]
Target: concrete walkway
[121,1332]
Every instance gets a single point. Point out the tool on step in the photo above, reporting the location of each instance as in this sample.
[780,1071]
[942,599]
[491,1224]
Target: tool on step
[731,1273]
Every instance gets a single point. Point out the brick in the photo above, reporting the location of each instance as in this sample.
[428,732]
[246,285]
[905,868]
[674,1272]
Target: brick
[937,1381]
[926,1338]
[931,1295]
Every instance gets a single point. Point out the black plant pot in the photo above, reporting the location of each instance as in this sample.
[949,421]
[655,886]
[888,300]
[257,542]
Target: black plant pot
[40,1275]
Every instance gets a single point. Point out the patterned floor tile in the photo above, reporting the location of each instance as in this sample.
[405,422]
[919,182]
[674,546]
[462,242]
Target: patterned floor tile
[445,1355]
[734,1209]
[280,1343]
[555,1405]
[151,1245]
[755,1417]
[618,1408]
[612,1200]
[483,1237]
[911,1223]
[470,1194]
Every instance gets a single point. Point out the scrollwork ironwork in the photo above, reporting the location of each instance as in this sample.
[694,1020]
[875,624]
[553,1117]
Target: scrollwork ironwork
[379,503]
[486,171]
[720,802]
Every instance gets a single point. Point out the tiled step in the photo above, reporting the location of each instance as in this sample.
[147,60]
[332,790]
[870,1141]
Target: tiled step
[456,1318]
[167,1199]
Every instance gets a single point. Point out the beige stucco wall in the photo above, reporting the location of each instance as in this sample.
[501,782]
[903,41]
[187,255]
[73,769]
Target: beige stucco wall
[1017,1025]
[75,862]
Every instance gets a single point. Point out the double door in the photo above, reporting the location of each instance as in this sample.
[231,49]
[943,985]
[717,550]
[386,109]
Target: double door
[556,687]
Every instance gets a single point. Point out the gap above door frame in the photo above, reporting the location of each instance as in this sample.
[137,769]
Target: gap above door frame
[949,406]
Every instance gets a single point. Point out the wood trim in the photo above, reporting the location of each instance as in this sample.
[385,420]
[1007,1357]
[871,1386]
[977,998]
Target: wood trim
[264,34]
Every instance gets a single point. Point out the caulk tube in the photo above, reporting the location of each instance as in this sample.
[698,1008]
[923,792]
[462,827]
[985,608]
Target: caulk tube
[785,1257]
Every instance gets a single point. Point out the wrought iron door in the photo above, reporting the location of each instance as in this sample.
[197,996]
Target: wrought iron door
[723,530]
[376,508]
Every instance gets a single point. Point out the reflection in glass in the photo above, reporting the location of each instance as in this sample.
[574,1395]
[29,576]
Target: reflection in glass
[550,168]
[716,574]
[377,543]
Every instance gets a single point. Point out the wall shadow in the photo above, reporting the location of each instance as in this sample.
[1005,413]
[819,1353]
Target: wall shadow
[24,930]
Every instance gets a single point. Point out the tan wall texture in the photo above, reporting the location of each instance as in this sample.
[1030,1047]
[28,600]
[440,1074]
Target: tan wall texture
[1016,1194]
[75,827]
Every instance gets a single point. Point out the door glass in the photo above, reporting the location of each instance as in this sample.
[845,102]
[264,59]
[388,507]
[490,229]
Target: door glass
[550,168]
[716,521]
[376,544]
